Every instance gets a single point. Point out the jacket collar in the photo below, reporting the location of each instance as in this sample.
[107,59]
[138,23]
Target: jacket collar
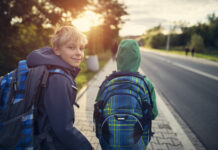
[74,72]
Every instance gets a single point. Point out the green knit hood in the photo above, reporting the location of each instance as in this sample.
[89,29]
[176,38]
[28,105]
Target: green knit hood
[128,56]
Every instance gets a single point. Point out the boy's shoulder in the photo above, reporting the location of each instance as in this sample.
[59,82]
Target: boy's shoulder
[136,74]
[149,83]
[117,74]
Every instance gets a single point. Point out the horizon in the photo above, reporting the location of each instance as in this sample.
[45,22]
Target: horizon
[144,15]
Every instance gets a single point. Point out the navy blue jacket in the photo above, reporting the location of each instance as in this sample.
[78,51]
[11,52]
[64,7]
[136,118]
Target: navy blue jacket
[55,110]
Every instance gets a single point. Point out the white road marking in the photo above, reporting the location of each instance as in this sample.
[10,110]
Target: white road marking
[196,71]
[188,68]
[173,123]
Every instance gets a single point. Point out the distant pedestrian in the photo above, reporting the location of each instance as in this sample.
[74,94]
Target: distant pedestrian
[193,51]
[114,49]
[125,104]
[186,51]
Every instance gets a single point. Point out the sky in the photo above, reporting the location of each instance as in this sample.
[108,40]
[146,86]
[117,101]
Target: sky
[145,14]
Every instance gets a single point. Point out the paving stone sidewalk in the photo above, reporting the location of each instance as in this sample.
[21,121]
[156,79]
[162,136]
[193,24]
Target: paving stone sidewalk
[165,138]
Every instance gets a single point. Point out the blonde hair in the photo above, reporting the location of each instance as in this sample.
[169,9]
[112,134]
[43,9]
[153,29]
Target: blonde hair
[66,33]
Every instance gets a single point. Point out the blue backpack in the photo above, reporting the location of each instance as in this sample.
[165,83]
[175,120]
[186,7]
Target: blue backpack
[122,114]
[19,97]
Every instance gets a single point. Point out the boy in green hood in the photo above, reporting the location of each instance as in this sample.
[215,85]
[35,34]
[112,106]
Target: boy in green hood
[128,61]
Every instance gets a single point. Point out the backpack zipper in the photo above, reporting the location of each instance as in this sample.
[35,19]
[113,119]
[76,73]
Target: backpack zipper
[122,114]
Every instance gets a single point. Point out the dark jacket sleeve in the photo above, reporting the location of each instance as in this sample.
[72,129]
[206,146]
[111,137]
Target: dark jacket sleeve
[59,107]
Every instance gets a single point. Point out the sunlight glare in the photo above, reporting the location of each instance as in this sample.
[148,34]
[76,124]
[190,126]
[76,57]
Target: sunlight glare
[87,20]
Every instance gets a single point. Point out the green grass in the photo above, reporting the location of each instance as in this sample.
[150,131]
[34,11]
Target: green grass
[85,75]
[210,55]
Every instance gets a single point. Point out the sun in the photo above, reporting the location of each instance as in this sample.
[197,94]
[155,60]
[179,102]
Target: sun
[87,20]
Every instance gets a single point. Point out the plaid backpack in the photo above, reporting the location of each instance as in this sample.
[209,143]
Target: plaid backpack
[122,114]
[19,94]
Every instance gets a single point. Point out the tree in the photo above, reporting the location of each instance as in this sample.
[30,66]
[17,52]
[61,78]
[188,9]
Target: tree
[155,30]
[208,31]
[23,26]
[199,35]
[155,38]
[157,41]
[38,11]
[112,12]
[95,40]
[213,30]
[197,42]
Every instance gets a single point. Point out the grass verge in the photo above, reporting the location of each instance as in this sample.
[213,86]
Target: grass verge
[85,75]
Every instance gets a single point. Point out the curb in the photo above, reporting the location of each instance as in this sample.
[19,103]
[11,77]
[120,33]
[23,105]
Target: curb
[173,123]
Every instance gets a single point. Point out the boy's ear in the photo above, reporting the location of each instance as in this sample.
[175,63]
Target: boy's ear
[56,51]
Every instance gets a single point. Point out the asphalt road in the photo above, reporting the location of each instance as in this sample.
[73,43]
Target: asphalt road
[192,90]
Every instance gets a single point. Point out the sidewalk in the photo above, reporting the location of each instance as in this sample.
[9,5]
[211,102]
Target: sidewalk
[168,133]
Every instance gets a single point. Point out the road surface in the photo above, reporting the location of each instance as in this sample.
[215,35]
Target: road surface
[192,90]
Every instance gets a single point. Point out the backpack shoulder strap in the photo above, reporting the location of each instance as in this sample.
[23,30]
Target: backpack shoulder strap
[149,92]
[62,72]
[36,80]
[151,133]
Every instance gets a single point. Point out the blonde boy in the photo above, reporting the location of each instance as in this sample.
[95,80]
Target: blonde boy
[55,116]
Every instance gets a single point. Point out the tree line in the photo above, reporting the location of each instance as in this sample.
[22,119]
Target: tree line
[27,25]
[203,37]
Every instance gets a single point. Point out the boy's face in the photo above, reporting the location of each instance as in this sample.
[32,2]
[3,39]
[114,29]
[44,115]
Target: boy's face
[71,53]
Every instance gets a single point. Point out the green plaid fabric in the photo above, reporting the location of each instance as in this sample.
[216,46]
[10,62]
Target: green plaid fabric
[125,123]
